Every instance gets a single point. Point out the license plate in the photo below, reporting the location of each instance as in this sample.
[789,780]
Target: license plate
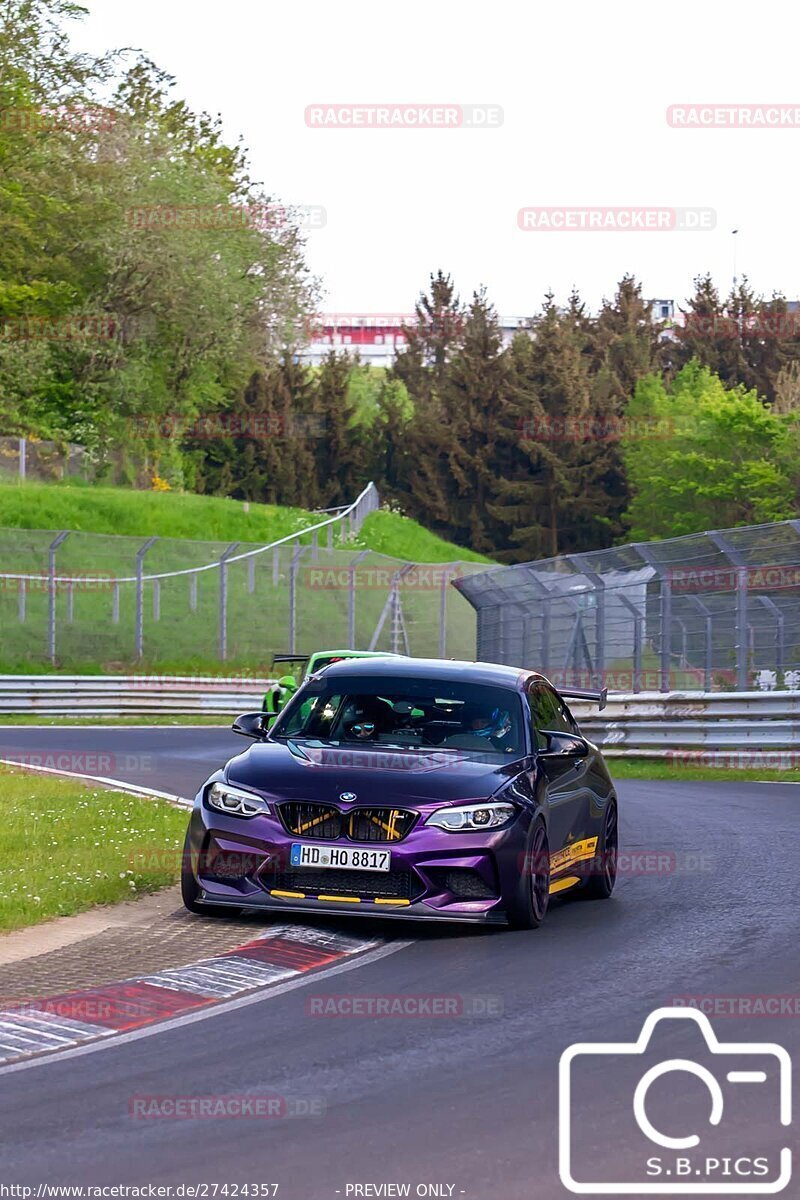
[340,858]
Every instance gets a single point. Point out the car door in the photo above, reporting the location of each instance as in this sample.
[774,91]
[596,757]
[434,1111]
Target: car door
[568,777]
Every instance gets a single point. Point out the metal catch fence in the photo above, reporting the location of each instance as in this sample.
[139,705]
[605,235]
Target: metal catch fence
[72,599]
[710,611]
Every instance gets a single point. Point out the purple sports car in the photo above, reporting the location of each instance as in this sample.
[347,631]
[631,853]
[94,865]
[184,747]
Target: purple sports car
[413,788]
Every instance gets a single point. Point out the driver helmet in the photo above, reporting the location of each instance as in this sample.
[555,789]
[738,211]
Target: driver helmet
[487,723]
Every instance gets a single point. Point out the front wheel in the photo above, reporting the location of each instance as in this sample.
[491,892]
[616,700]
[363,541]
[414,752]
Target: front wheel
[190,891]
[528,908]
[600,883]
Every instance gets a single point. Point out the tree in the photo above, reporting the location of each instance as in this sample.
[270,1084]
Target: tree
[626,343]
[338,438]
[138,217]
[723,458]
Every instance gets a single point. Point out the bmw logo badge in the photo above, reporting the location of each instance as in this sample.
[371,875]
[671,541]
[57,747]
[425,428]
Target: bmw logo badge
[348,797]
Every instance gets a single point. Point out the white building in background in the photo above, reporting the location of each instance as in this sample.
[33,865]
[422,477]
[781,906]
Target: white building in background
[376,337]
[663,310]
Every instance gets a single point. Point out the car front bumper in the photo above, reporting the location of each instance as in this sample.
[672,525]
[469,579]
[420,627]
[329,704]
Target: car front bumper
[435,875]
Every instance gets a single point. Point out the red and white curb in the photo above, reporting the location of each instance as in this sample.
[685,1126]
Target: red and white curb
[31,1028]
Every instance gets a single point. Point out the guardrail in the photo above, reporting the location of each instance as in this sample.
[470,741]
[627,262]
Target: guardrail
[130,695]
[746,727]
[753,726]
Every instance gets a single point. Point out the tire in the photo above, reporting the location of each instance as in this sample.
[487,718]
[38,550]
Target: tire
[528,908]
[190,891]
[600,884]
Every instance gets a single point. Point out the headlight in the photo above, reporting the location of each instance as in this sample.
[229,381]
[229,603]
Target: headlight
[472,817]
[234,801]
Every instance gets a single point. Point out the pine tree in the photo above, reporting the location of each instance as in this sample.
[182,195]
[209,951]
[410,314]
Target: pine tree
[626,343]
[339,450]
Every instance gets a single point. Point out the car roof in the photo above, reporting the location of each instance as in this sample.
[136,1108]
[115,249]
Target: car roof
[400,667]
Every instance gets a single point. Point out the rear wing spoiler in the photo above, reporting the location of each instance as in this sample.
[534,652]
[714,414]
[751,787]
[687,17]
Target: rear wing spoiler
[293,658]
[576,694]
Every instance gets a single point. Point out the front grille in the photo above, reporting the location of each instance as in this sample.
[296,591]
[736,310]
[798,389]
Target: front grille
[398,885]
[463,882]
[311,820]
[380,824]
[320,821]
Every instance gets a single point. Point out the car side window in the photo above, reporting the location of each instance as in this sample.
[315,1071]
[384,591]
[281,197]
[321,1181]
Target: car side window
[548,712]
[568,717]
[542,713]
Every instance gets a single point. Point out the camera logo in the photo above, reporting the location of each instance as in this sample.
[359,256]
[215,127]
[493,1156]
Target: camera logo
[686,1126]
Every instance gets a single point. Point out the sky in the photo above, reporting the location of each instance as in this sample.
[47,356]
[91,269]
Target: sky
[575,103]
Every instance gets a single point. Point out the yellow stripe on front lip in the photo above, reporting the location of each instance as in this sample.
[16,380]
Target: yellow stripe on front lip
[379,900]
[288,895]
[342,899]
[561,885]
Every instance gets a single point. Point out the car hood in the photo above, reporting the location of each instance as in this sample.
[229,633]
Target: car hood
[375,776]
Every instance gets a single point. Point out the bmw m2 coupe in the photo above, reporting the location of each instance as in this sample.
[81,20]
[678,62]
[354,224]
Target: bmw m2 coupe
[408,788]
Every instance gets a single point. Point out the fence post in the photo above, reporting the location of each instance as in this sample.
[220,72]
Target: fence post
[351,601]
[223,600]
[115,604]
[297,554]
[23,457]
[156,599]
[140,553]
[666,631]
[21,602]
[599,586]
[51,587]
[443,615]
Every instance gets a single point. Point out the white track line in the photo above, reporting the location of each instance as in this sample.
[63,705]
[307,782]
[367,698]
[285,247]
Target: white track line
[212,1010]
[119,785]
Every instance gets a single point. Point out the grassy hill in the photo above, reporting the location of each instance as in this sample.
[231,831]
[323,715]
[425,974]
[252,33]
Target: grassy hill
[89,509]
[96,614]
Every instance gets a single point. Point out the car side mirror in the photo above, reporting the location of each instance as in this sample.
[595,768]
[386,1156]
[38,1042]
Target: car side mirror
[252,725]
[563,746]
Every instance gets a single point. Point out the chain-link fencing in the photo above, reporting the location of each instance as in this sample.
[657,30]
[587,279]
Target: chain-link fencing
[709,611]
[78,600]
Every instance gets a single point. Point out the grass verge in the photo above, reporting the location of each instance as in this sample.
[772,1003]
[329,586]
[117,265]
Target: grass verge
[655,768]
[66,847]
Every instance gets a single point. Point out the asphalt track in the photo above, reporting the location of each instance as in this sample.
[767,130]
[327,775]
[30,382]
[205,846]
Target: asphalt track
[468,1103]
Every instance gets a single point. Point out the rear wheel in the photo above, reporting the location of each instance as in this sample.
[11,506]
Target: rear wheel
[600,883]
[190,891]
[529,907]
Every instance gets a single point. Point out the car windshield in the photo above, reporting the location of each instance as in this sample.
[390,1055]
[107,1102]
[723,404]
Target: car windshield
[407,714]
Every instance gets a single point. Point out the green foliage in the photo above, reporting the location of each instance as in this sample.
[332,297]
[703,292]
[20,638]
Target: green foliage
[703,456]
[134,214]
[205,518]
